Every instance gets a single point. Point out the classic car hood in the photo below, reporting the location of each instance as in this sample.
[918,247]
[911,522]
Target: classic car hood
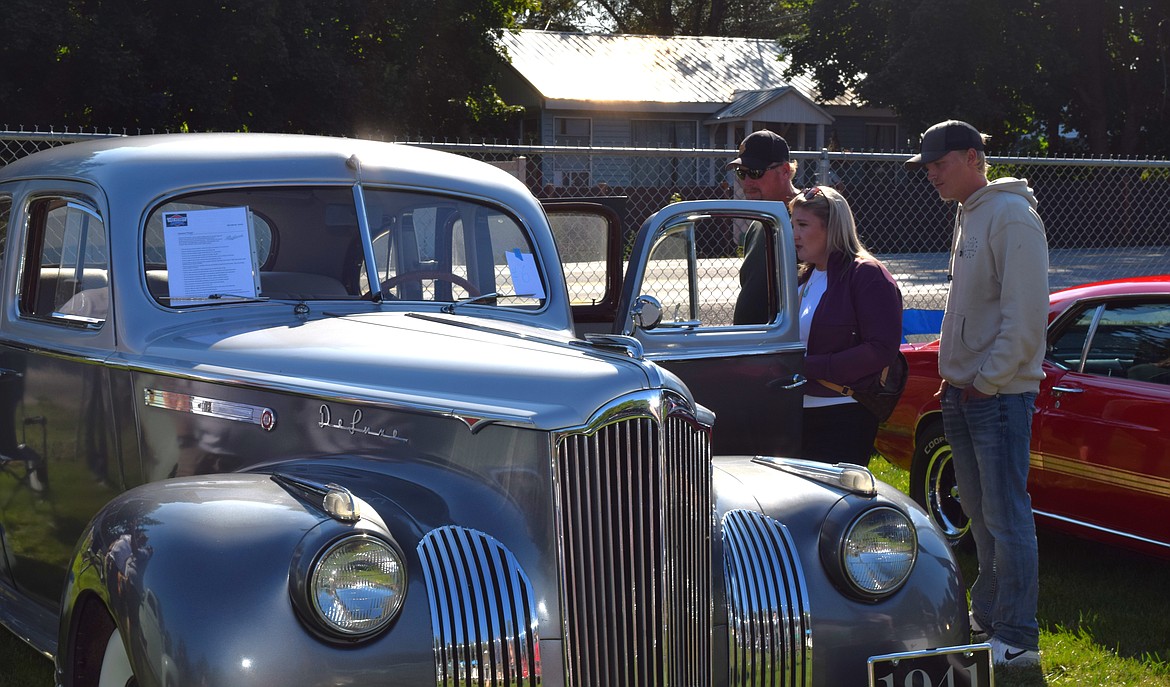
[464,366]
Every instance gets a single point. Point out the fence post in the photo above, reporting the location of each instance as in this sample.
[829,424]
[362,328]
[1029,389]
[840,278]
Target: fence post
[824,174]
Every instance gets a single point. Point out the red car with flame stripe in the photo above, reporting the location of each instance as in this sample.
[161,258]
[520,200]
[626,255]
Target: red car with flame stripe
[1100,458]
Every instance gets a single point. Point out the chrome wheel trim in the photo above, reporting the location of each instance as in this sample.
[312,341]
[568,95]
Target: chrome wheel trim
[116,670]
[942,493]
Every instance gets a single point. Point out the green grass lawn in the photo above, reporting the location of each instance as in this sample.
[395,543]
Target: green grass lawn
[1104,618]
[21,666]
[1104,612]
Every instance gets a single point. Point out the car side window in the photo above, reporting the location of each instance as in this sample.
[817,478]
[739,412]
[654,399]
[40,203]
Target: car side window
[1128,340]
[698,289]
[66,265]
[5,213]
[582,242]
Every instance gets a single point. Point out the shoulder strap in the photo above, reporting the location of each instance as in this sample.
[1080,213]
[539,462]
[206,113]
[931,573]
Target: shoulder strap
[843,390]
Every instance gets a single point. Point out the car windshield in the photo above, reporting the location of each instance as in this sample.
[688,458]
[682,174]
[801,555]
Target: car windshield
[305,243]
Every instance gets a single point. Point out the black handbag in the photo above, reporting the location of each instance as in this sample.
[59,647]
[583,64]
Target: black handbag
[880,397]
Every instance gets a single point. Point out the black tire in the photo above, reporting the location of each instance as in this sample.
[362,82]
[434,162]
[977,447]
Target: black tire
[932,485]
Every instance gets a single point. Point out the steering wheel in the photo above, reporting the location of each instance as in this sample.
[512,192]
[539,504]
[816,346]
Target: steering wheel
[438,275]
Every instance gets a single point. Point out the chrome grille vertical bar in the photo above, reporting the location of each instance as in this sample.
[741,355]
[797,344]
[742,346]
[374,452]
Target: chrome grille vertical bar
[635,519]
[482,610]
[689,578]
[767,616]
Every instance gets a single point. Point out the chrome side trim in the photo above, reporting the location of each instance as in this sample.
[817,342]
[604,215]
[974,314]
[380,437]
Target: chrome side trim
[483,610]
[450,410]
[769,627]
[1104,530]
[635,521]
[211,407]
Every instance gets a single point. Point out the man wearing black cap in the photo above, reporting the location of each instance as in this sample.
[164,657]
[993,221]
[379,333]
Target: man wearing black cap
[765,170]
[990,353]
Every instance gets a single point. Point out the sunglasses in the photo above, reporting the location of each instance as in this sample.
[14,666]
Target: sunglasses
[745,173]
[811,192]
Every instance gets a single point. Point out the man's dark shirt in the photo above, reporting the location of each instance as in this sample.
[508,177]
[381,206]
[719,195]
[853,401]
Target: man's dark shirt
[752,304]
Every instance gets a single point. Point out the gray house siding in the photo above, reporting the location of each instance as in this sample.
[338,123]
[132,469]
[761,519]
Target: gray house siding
[617,130]
[674,92]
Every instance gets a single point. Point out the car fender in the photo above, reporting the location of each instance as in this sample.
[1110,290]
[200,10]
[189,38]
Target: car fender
[858,628]
[209,567]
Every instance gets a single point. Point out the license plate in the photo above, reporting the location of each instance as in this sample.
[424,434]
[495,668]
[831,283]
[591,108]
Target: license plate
[959,666]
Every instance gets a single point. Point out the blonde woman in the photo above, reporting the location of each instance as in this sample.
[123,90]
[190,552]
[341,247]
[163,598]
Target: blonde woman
[850,323]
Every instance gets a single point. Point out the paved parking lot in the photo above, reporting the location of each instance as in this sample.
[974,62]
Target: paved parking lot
[923,276]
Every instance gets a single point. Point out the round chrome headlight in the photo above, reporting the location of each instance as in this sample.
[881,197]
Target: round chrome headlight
[357,585]
[878,551]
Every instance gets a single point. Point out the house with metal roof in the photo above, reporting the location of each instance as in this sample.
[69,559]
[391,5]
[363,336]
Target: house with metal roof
[676,92]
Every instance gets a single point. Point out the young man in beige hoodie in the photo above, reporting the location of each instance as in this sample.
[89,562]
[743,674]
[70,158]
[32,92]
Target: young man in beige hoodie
[992,345]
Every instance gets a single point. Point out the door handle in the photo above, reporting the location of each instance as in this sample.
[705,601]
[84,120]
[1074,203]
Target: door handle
[788,383]
[1067,390]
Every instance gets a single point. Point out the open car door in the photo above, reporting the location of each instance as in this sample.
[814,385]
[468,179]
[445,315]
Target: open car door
[677,298]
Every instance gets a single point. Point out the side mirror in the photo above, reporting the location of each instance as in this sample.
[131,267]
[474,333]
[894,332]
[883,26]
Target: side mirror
[647,312]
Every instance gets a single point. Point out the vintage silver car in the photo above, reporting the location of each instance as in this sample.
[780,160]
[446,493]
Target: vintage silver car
[286,410]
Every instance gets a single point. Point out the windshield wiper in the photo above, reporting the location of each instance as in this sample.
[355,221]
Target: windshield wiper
[233,297]
[450,307]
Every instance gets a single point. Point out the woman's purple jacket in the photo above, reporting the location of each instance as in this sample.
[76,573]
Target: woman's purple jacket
[857,327]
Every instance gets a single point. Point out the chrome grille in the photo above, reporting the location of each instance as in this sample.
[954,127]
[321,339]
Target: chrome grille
[767,614]
[635,520]
[482,610]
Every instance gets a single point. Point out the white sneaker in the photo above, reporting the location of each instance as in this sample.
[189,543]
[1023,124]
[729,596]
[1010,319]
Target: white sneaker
[1004,654]
[978,634]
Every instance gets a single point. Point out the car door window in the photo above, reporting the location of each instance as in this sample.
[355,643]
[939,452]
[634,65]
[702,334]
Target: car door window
[66,277]
[5,213]
[698,287]
[583,244]
[1127,340]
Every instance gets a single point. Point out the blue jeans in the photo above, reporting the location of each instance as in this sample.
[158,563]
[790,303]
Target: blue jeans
[989,441]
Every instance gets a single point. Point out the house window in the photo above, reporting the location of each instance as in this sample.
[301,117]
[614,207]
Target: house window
[572,170]
[881,136]
[665,171]
[573,131]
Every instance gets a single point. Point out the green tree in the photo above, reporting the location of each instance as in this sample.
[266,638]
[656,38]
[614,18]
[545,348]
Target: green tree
[742,18]
[1023,71]
[344,67]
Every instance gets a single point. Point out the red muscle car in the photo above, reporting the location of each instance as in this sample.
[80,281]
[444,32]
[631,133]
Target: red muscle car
[1100,458]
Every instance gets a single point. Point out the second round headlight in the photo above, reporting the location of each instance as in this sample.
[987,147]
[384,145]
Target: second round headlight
[879,550]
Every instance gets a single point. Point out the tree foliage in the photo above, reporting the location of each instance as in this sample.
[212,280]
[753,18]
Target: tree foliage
[742,18]
[1034,74]
[343,67]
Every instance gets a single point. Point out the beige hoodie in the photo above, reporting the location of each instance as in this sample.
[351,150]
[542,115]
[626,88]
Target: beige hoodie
[993,330]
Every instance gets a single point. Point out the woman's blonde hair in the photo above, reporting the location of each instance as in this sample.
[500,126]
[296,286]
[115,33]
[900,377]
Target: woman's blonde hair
[840,228]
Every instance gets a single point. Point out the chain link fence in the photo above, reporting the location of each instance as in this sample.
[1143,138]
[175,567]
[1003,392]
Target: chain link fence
[1105,218]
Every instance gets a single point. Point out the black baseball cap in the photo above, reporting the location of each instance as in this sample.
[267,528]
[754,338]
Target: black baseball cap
[761,150]
[944,137]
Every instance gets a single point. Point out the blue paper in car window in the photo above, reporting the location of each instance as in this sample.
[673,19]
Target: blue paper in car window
[525,278]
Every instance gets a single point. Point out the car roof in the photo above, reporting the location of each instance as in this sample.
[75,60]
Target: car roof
[161,163]
[1131,286]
